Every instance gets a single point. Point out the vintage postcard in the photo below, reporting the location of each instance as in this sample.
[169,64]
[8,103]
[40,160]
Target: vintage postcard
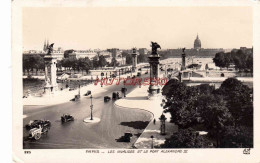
[135,81]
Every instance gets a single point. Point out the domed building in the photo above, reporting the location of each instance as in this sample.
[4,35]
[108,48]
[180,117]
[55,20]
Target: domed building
[197,43]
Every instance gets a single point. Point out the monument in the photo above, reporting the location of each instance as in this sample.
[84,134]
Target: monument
[134,60]
[154,88]
[183,56]
[50,71]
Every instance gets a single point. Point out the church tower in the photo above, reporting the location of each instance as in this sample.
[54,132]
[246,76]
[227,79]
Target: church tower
[197,43]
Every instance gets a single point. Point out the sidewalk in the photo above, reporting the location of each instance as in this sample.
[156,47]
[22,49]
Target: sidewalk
[138,99]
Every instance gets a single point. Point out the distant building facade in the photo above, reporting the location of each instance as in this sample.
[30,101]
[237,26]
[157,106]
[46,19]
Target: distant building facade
[196,51]
[143,51]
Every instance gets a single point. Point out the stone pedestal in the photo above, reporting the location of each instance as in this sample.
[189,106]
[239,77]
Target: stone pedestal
[154,90]
[134,60]
[50,75]
[183,65]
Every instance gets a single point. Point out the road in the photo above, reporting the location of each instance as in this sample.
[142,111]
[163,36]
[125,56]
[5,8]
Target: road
[114,123]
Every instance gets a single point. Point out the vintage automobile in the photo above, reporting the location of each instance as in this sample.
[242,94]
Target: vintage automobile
[37,132]
[88,93]
[123,89]
[66,118]
[36,123]
[76,98]
[115,95]
[107,98]
[127,137]
[113,75]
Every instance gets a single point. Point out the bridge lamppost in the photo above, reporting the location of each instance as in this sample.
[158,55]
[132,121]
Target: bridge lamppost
[91,108]
[79,87]
[124,88]
[152,141]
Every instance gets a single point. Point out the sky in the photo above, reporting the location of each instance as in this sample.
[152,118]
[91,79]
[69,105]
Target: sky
[128,27]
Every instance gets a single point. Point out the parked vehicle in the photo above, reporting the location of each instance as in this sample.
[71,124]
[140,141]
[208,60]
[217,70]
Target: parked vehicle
[88,93]
[113,75]
[123,90]
[127,137]
[37,132]
[36,123]
[107,98]
[115,95]
[76,98]
[66,118]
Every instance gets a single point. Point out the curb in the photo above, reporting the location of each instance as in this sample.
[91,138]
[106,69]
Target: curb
[138,109]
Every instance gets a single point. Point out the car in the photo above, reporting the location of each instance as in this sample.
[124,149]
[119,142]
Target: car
[127,137]
[107,98]
[113,75]
[123,89]
[115,95]
[36,123]
[37,132]
[88,93]
[66,118]
[76,98]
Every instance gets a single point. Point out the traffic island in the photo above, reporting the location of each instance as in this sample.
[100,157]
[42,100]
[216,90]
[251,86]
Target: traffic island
[153,135]
[95,120]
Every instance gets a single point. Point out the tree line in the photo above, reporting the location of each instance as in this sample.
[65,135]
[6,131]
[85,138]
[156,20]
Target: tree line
[225,113]
[242,60]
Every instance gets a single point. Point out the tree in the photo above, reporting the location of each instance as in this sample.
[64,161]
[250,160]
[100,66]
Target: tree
[95,62]
[141,58]
[113,62]
[239,137]
[67,52]
[180,102]
[239,101]
[102,61]
[214,114]
[186,138]
[222,59]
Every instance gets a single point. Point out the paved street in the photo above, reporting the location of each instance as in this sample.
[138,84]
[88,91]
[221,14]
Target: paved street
[77,134]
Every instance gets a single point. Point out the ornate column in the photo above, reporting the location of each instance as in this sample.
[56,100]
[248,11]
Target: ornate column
[50,72]
[134,60]
[154,89]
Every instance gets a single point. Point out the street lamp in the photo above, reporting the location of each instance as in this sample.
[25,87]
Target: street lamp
[124,88]
[91,108]
[152,141]
[79,87]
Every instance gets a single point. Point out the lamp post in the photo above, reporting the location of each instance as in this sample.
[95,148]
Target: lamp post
[124,89]
[79,87]
[91,108]
[152,141]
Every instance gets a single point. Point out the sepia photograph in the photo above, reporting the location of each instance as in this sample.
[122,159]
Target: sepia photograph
[94,80]
[172,80]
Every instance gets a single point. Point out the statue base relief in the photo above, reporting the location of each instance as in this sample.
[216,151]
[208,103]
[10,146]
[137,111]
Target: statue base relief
[154,92]
[50,89]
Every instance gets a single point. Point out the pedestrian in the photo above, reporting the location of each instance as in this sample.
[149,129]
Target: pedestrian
[154,121]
